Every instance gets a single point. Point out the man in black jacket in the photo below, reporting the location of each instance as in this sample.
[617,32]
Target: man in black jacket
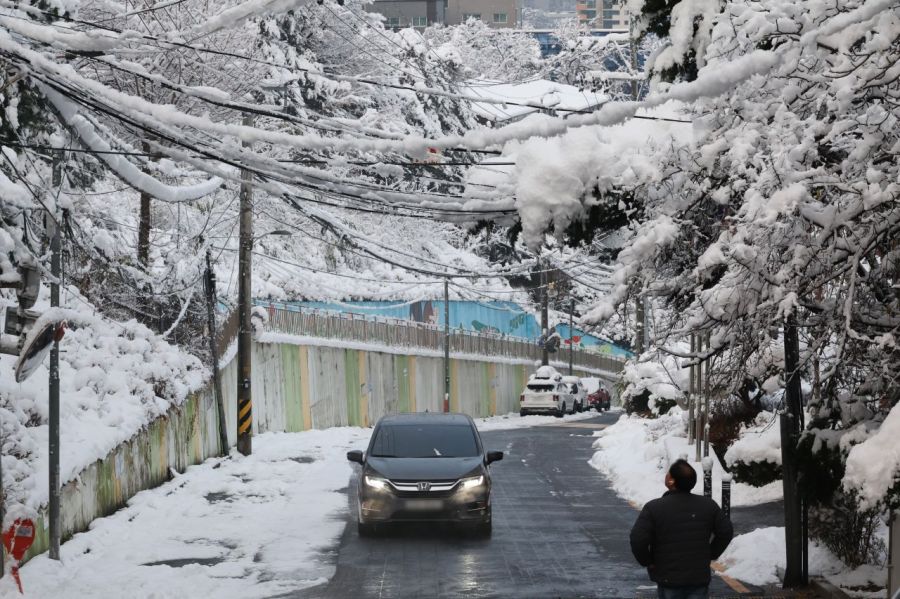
[678,535]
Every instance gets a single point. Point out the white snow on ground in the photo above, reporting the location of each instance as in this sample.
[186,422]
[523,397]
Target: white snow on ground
[260,522]
[756,556]
[513,420]
[635,453]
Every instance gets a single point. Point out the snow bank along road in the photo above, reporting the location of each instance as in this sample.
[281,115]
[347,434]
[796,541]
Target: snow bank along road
[559,531]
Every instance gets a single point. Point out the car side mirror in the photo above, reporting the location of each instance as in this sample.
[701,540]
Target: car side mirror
[493,456]
[355,456]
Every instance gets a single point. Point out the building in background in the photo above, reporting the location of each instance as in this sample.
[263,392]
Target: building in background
[602,14]
[399,14]
[501,14]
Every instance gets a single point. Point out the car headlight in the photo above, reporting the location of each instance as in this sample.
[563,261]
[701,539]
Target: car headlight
[376,483]
[471,483]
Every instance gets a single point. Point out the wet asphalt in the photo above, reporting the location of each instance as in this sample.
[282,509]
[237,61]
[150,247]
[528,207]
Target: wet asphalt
[559,531]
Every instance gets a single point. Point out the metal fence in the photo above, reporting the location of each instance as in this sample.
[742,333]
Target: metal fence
[394,333]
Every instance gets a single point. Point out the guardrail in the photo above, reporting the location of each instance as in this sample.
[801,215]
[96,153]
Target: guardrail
[394,332]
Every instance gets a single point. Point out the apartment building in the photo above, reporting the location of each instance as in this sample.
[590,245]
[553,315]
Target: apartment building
[400,14]
[496,13]
[602,14]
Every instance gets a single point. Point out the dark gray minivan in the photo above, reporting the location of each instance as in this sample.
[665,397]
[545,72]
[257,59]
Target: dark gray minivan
[425,467]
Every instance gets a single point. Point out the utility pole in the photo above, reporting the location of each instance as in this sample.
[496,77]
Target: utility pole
[245,336]
[143,245]
[56,272]
[545,355]
[792,424]
[446,344]
[571,335]
[210,284]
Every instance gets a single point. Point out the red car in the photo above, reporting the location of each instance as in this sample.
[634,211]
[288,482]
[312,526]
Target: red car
[599,400]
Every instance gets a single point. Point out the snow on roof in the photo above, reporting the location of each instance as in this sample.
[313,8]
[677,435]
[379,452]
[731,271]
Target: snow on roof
[539,92]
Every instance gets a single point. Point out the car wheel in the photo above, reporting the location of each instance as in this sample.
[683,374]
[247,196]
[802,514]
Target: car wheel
[366,529]
[484,529]
[561,410]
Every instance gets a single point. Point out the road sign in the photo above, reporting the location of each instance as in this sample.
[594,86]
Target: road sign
[17,539]
[34,352]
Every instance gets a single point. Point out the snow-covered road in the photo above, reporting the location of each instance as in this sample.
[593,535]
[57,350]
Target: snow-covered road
[239,526]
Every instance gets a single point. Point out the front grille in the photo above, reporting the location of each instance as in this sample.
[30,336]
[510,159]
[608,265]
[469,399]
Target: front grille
[424,488]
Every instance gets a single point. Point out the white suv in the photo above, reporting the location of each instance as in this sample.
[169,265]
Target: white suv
[577,390]
[545,393]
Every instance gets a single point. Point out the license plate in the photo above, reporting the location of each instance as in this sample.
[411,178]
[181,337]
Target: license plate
[424,505]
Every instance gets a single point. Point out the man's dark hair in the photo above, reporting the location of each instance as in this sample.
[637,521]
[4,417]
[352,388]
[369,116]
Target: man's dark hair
[683,474]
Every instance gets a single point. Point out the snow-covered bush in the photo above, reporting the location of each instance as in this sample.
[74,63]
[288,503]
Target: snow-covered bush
[755,458]
[836,517]
[652,384]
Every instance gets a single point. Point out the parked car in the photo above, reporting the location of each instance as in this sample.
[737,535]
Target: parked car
[578,392]
[599,400]
[546,393]
[426,467]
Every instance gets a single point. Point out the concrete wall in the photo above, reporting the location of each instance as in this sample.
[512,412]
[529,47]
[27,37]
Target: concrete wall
[185,436]
[295,388]
[299,387]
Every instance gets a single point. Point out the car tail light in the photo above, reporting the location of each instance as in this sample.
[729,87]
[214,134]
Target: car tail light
[522,398]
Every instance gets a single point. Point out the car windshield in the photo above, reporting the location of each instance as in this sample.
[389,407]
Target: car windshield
[425,441]
[541,387]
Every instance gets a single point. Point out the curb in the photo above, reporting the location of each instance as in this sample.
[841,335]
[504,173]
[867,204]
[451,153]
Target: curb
[826,590]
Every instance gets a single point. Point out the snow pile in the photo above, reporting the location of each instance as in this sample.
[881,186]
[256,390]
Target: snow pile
[756,556]
[760,442]
[114,379]
[635,454]
[873,466]
[230,527]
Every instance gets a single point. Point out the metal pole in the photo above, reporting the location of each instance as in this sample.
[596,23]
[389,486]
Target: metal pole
[446,345]
[633,51]
[545,355]
[639,326]
[56,271]
[726,494]
[792,525]
[692,396]
[245,339]
[571,336]
[698,433]
[706,401]
[210,281]
[707,476]
[791,424]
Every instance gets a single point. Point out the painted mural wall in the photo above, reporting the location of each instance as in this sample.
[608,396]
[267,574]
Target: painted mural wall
[299,387]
